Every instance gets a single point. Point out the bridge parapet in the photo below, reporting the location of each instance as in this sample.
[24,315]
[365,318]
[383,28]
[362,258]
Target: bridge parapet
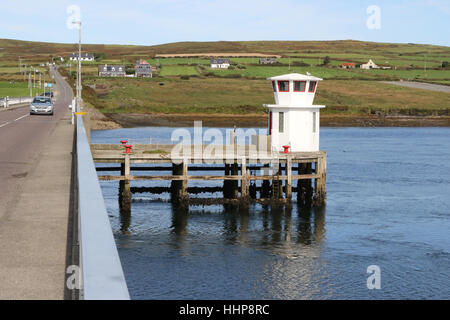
[101,269]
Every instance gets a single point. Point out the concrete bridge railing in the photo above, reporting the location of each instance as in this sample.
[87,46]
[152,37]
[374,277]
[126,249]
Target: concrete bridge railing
[101,269]
[8,101]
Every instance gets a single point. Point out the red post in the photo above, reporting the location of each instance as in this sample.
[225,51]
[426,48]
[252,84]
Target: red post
[123,141]
[286,149]
[128,148]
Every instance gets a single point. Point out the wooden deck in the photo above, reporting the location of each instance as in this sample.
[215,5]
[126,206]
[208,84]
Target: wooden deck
[230,163]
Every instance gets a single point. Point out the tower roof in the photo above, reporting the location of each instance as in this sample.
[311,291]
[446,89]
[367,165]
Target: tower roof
[295,76]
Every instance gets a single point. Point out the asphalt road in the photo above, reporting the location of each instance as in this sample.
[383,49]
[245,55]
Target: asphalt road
[421,85]
[35,172]
[22,136]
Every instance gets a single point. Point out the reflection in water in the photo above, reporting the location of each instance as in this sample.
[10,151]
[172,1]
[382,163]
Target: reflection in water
[276,224]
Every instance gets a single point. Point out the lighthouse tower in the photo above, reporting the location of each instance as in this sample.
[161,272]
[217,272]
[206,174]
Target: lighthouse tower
[293,119]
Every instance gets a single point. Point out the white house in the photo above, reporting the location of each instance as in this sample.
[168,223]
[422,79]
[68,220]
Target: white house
[293,119]
[84,57]
[369,65]
[220,63]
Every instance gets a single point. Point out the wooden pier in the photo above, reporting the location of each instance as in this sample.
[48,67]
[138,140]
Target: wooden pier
[241,169]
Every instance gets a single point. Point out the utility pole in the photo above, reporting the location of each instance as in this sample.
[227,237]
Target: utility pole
[78,104]
[29,84]
[425,66]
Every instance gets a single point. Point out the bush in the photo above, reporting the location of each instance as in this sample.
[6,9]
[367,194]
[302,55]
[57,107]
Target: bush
[99,56]
[184,77]
[299,64]
[445,64]
[210,74]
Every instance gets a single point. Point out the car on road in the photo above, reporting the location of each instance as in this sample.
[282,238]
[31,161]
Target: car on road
[48,94]
[41,105]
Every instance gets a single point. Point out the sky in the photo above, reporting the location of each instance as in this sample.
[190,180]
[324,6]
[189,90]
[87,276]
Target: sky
[149,22]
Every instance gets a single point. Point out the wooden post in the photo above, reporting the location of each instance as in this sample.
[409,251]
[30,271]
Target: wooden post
[276,183]
[125,195]
[234,183]
[289,178]
[179,187]
[127,166]
[320,183]
[302,186]
[244,182]
[265,188]
[184,183]
[226,183]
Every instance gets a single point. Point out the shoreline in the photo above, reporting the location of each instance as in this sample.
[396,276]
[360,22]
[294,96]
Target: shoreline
[132,120]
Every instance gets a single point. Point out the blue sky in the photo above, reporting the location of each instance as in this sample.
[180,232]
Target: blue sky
[150,22]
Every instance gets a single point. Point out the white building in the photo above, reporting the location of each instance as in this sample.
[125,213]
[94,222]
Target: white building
[220,63]
[293,119]
[369,65]
[84,57]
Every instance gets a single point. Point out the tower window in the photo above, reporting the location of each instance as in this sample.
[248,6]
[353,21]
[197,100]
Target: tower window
[312,86]
[281,122]
[299,86]
[283,86]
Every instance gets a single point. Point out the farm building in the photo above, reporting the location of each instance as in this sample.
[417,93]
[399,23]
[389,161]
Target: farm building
[143,69]
[369,65]
[111,71]
[84,57]
[348,65]
[220,63]
[267,60]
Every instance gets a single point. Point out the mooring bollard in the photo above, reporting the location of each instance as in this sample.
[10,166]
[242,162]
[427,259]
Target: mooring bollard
[123,141]
[127,148]
[286,149]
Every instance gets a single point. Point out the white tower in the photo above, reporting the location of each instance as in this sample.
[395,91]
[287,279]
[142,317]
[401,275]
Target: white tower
[293,119]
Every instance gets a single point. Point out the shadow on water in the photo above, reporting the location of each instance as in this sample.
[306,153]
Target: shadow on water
[274,224]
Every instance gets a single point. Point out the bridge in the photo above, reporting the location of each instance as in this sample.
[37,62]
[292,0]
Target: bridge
[55,237]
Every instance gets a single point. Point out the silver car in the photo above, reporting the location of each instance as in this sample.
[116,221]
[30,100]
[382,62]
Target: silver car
[41,105]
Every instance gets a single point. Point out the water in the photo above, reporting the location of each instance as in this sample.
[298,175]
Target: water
[388,204]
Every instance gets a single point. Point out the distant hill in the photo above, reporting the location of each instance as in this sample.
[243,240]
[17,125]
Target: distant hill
[42,50]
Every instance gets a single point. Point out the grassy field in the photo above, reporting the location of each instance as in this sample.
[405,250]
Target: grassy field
[241,96]
[17,89]
[188,85]
[170,70]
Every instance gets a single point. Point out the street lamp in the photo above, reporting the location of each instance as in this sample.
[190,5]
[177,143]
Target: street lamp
[78,100]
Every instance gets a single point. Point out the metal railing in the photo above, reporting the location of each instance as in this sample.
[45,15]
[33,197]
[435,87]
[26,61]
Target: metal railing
[7,101]
[101,269]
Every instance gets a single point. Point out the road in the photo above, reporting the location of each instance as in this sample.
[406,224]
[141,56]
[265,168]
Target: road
[421,85]
[35,170]
[22,136]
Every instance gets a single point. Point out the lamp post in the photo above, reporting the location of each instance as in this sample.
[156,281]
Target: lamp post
[78,99]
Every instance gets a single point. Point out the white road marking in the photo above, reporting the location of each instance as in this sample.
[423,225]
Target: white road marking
[9,122]
[5,124]
[22,117]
